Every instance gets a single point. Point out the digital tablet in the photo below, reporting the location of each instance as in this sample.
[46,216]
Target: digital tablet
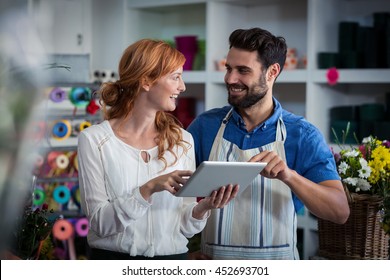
[211,175]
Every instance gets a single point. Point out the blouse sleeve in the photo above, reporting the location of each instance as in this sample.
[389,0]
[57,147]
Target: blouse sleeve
[106,215]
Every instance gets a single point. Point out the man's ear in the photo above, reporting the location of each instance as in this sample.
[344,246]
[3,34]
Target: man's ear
[273,71]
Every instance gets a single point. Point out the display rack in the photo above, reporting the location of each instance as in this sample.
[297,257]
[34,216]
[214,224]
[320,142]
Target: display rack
[61,116]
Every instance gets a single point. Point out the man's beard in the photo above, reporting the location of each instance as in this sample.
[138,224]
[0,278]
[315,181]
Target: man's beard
[254,94]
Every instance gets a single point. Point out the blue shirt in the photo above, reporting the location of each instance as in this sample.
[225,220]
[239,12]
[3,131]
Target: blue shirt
[306,149]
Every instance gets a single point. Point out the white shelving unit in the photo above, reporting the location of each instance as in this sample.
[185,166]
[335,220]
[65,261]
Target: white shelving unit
[309,26]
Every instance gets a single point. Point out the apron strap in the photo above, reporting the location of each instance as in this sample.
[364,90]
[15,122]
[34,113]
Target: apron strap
[227,117]
[281,132]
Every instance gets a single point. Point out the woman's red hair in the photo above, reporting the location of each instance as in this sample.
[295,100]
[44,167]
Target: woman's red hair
[145,60]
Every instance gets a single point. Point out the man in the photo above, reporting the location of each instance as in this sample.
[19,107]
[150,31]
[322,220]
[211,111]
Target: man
[261,222]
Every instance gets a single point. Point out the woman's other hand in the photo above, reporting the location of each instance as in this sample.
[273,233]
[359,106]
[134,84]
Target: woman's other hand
[218,199]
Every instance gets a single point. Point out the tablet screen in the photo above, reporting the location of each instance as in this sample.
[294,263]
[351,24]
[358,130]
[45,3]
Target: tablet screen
[211,175]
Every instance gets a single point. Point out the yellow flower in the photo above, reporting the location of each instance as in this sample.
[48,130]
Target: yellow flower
[380,164]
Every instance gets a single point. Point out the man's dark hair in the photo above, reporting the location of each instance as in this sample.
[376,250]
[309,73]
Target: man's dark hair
[270,49]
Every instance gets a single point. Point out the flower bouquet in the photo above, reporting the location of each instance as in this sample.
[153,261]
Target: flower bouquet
[365,172]
[33,228]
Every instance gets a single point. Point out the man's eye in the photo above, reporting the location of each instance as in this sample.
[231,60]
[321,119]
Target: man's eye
[244,71]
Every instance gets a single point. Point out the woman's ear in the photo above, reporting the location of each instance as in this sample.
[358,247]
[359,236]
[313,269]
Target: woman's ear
[145,84]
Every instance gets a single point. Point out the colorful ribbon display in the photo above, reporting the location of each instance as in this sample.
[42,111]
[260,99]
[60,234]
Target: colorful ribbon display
[61,194]
[61,130]
[63,229]
[62,161]
[75,193]
[80,96]
[52,159]
[57,95]
[83,125]
[39,197]
[82,227]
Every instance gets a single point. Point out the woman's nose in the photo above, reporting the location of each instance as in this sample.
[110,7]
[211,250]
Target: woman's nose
[182,86]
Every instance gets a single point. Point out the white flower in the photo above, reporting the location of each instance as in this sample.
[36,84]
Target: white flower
[367,140]
[365,171]
[343,167]
[351,181]
[363,185]
[352,153]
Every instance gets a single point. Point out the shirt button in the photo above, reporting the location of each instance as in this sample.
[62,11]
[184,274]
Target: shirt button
[264,127]
[248,136]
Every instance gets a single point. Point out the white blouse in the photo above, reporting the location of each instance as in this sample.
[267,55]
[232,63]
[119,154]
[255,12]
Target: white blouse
[110,175]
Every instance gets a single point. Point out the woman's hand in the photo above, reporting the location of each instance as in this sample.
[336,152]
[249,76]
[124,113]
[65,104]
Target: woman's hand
[171,182]
[218,199]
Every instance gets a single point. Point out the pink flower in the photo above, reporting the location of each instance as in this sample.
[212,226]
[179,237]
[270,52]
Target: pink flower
[332,75]
[386,143]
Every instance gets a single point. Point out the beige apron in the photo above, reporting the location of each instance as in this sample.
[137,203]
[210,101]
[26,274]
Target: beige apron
[261,222]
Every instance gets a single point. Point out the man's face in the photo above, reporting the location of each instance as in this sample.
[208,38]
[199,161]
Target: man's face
[245,82]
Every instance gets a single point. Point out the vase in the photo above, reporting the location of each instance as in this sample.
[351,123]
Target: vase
[188,45]
[361,237]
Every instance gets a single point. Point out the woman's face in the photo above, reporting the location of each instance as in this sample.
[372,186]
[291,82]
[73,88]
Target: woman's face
[163,94]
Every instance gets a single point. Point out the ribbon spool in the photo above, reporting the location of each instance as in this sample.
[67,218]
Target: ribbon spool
[52,159]
[80,96]
[82,227]
[81,126]
[63,230]
[57,95]
[75,193]
[39,197]
[62,161]
[61,130]
[61,194]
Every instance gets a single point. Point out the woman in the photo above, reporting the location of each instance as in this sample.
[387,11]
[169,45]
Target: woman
[132,163]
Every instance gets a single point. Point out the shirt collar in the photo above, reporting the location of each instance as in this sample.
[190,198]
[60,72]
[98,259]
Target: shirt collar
[268,123]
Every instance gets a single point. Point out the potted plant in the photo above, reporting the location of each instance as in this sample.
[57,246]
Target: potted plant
[365,172]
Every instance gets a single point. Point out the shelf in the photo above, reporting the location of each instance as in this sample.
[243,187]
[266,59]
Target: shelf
[57,180]
[359,76]
[161,5]
[194,76]
[287,76]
